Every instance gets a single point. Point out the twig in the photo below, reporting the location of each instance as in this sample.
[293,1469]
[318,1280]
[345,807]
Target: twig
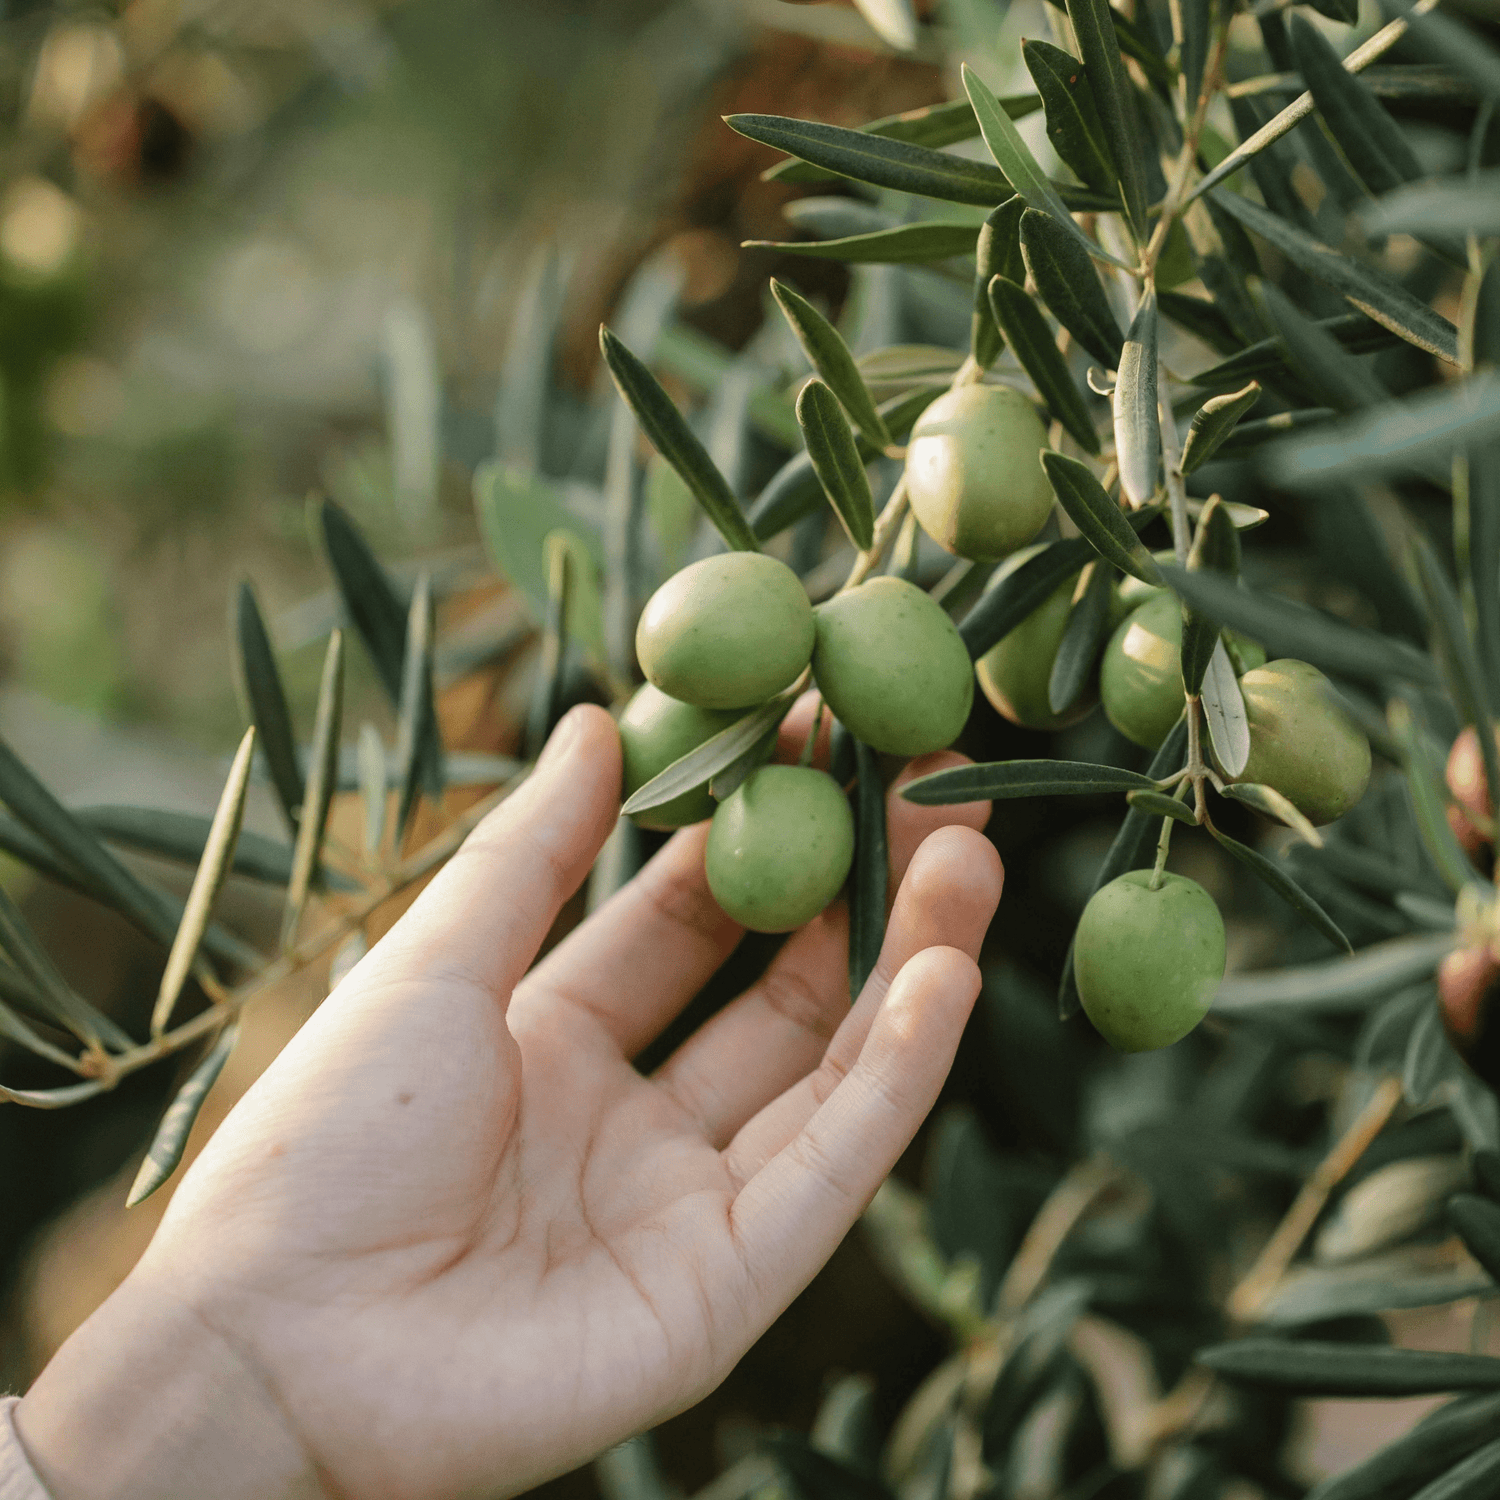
[1069,1201]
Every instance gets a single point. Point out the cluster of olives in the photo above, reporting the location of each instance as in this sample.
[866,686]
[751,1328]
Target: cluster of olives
[734,630]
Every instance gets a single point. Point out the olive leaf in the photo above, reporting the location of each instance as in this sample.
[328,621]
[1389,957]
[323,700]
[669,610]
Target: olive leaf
[14,1027]
[1160,805]
[1015,160]
[867,886]
[1032,343]
[1279,881]
[1137,433]
[1224,712]
[1356,333]
[551,667]
[1003,607]
[1424,785]
[1082,640]
[417,711]
[1439,211]
[1101,521]
[1213,422]
[1202,319]
[1467,53]
[322,778]
[170,1140]
[1338,984]
[1316,356]
[671,436]
[62,1098]
[1095,26]
[265,702]
[830,357]
[726,782]
[373,786]
[1308,1367]
[1245,517]
[1067,282]
[1477,1221]
[1370,290]
[1216,547]
[904,244]
[1073,123]
[1267,800]
[996,780]
[213,868]
[836,461]
[997,253]
[1247,437]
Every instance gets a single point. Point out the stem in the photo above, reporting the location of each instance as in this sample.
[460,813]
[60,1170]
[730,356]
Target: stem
[810,744]
[1163,848]
[1068,1202]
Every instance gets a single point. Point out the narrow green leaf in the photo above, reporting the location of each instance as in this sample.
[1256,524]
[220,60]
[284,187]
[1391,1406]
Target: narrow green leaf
[997,253]
[995,780]
[1318,1294]
[373,787]
[628,574]
[1370,290]
[1003,607]
[218,856]
[1341,984]
[14,1027]
[1353,331]
[1032,343]
[1101,521]
[1067,282]
[726,782]
[551,667]
[1082,640]
[1286,628]
[1424,784]
[836,461]
[878,160]
[1224,712]
[676,442]
[265,702]
[1305,1367]
[1247,437]
[1202,319]
[1160,805]
[867,885]
[1213,422]
[1073,124]
[417,707]
[1216,547]
[1289,891]
[1477,1221]
[322,778]
[1484,558]
[1015,160]
[170,1141]
[1137,433]
[906,244]
[1314,354]
[1267,800]
[830,357]
[1094,24]
[1446,39]
[1475,1478]
[62,1098]
[1245,517]
[1444,209]
[699,767]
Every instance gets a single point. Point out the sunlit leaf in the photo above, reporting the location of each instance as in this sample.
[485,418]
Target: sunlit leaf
[1137,433]
[1160,805]
[1338,984]
[830,357]
[997,253]
[1267,800]
[1213,422]
[1224,712]
[1073,124]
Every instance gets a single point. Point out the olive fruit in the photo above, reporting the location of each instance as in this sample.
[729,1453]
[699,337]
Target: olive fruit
[1468,983]
[1148,962]
[1471,797]
[655,730]
[1302,741]
[728,631]
[893,668]
[1131,592]
[973,471]
[779,847]
[1015,671]
[1140,677]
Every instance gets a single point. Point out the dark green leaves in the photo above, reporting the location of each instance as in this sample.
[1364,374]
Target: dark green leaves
[1082,639]
[1308,1368]
[1093,25]
[997,780]
[1160,805]
[830,357]
[1073,124]
[1003,607]
[265,700]
[1478,1222]
[906,244]
[1137,433]
[1098,517]
[1372,291]
[878,160]
[1428,800]
[676,442]
[1216,547]
[1294,896]
[867,886]
[1031,341]
[1213,422]
[322,780]
[1067,282]
[171,1136]
[1267,800]
[835,459]
[997,253]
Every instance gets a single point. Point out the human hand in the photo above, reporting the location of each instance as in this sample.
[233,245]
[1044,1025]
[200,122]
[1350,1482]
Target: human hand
[451,1242]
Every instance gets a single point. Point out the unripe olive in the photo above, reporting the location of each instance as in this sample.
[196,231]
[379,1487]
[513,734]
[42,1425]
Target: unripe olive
[1148,962]
[1132,592]
[655,730]
[973,471]
[1015,671]
[1140,677]
[779,847]
[1302,741]
[893,668]
[1466,781]
[728,631]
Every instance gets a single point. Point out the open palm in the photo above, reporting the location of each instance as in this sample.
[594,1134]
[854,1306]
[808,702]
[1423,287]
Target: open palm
[458,1240]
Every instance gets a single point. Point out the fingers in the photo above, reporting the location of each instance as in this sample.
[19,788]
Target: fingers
[774,1034]
[947,900]
[484,915]
[789,1218]
[907,824]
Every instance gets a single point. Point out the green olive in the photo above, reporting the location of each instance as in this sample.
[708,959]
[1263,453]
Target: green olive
[1148,962]
[655,730]
[1140,678]
[893,668]
[1014,673]
[779,847]
[1131,592]
[973,471]
[1302,741]
[726,632]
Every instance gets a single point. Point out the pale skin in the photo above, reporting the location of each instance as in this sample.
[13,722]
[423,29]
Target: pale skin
[452,1243]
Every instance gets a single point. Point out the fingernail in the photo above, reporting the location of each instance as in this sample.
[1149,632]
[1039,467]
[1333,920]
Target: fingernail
[560,741]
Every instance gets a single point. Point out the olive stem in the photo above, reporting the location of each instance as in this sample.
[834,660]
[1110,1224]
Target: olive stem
[1163,847]
[809,745]
[886,525]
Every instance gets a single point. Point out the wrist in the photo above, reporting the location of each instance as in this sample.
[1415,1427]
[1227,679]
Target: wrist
[146,1401]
